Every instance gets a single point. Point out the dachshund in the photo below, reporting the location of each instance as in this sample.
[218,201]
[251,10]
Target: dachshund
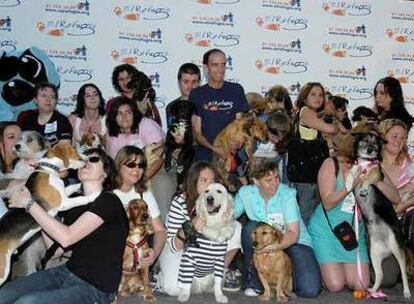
[135,276]
[274,268]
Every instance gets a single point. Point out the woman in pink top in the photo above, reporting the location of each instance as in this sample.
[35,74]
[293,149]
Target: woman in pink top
[127,126]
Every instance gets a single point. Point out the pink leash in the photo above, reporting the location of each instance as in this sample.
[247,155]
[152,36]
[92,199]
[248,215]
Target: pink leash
[374,295]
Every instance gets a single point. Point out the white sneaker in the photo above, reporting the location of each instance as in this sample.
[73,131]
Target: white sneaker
[250,292]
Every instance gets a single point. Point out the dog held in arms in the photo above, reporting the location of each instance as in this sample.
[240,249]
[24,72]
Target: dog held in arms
[202,266]
[385,236]
[274,268]
[135,276]
[47,189]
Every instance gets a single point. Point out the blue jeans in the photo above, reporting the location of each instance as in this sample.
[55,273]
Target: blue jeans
[56,285]
[306,274]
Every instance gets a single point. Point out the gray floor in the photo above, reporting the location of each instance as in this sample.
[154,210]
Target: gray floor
[394,296]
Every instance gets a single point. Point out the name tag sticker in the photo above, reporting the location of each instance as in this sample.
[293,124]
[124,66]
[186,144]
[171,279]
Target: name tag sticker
[51,127]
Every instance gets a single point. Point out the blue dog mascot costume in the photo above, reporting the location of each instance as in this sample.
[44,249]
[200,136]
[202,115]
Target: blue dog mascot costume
[20,71]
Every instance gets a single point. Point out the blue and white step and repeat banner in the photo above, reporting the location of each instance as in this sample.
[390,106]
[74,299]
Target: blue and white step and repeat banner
[347,45]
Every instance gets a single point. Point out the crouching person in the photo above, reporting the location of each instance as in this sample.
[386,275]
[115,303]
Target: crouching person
[267,200]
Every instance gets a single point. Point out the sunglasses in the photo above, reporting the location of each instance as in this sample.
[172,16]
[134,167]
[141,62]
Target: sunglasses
[94,159]
[133,165]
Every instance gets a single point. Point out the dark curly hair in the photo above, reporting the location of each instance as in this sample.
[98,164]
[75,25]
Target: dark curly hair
[111,124]
[130,69]
[80,100]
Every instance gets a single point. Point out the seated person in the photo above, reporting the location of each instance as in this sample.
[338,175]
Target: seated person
[268,200]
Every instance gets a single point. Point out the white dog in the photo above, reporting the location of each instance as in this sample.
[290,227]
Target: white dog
[205,263]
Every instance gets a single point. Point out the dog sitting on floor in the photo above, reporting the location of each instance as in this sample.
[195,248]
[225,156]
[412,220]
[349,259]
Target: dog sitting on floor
[274,268]
[385,236]
[48,190]
[30,147]
[202,266]
[135,276]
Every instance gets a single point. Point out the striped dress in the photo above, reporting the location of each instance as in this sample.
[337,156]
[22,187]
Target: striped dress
[199,262]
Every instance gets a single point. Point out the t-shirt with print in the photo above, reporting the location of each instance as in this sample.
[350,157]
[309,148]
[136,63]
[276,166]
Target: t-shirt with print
[97,258]
[216,109]
[280,210]
[147,196]
[58,127]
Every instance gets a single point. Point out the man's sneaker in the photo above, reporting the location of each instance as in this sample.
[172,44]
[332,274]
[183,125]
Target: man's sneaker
[250,292]
[232,280]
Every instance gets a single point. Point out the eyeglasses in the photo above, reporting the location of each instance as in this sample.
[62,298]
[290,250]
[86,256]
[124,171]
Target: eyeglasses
[133,165]
[94,159]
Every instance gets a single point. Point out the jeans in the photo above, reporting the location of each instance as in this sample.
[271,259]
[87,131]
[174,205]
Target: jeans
[56,285]
[306,274]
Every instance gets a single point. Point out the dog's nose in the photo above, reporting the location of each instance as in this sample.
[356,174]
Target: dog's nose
[210,200]
[17,146]
[145,216]
[254,244]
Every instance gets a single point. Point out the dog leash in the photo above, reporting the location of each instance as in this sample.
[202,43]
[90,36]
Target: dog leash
[379,294]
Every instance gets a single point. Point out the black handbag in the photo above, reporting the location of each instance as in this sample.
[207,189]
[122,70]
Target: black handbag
[305,157]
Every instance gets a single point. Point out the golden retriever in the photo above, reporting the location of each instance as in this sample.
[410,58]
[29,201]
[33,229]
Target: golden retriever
[135,276]
[274,268]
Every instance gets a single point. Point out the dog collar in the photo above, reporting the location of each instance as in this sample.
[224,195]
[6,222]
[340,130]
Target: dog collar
[51,166]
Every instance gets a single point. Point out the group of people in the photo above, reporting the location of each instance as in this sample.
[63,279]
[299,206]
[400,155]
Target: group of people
[276,189]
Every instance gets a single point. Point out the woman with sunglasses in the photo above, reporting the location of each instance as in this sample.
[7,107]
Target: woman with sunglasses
[97,238]
[131,165]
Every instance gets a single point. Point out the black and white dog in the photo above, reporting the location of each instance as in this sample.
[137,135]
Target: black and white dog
[385,236]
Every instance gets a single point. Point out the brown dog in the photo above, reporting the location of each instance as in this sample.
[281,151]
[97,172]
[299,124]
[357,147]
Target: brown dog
[274,268]
[135,276]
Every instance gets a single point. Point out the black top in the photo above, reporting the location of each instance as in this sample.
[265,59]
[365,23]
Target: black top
[97,258]
[402,115]
[58,127]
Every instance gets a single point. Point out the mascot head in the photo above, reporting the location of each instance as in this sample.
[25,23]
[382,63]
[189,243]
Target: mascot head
[20,71]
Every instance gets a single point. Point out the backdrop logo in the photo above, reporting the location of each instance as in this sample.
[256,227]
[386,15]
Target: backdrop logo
[294,88]
[136,55]
[277,23]
[403,56]
[210,38]
[400,34]
[282,65]
[154,36]
[59,28]
[406,16]
[139,12]
[6,24]
[294,46]
[350,8]
[284,4]
[223,20]
[160,102]
[347,49]
[75,74]
[8,45]
[359,73]
[80,8]
[155,79]
[352,92]
[404,75]
[217,1]
[9,3]
[78,53]
[357,31]
[67,101]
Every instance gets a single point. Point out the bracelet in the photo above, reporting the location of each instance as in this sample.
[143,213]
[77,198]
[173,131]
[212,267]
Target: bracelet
[29,205]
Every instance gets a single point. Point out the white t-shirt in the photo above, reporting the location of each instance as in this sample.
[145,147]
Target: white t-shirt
[147,196]
[266,150]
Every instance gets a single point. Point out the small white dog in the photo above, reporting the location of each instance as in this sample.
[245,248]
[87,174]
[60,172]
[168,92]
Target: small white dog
[202,267]
[29,149]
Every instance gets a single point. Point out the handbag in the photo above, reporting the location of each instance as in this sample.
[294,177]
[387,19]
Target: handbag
[305,157]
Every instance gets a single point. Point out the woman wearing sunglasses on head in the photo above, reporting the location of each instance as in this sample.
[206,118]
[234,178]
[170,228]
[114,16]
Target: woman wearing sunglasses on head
[131,165]
[97,238]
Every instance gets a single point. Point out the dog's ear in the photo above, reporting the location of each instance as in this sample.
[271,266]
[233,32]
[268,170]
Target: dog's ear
[278,235]
[228,212]
[201,206]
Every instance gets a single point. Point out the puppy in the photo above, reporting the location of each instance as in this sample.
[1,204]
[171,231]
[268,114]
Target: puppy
[30,147]
[385,236]
[48,190]
[274,268]
[135,276]
[202,267]
[256,102]
[181,127]
[91,140]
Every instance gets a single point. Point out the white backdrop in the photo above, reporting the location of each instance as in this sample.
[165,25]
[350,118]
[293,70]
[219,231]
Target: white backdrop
[346,45]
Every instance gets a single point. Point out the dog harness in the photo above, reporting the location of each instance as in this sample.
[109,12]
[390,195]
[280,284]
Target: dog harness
[135,251]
